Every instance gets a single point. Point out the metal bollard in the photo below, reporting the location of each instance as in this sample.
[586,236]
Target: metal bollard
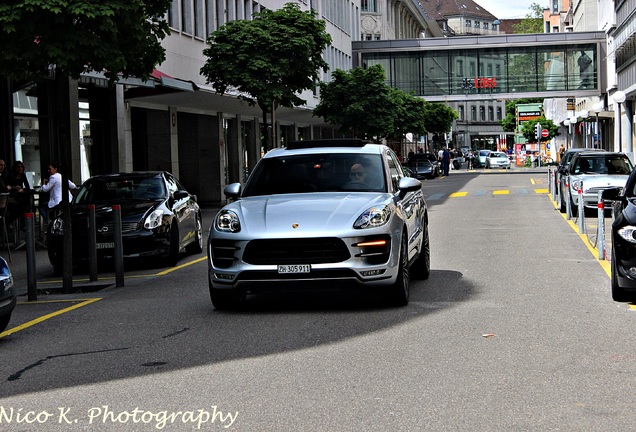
[119,250]
[600,230]
[568,201]
[92,244]
[557,181]
[29,230]
[581,211]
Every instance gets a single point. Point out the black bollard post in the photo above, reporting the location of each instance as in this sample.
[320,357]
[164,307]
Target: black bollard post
[32,290]
[92,244]
[119,249]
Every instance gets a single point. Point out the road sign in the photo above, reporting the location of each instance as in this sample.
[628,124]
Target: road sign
[544,133]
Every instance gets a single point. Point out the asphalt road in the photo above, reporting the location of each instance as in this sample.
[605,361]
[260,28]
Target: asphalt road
[514,330]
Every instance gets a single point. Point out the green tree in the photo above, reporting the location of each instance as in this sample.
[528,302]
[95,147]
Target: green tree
[528,129]
[408,117]
[439,118]
[269,59]
[532,23]
[359,101]
[509,122]
[115,37]
[75,36]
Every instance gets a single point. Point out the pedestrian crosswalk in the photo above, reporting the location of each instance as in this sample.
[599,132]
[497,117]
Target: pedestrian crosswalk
[483,193]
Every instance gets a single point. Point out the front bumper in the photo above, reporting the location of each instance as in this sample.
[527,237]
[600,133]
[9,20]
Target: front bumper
[355,266]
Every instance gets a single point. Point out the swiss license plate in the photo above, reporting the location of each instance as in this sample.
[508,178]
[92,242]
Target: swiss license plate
[298,268]
[109,245]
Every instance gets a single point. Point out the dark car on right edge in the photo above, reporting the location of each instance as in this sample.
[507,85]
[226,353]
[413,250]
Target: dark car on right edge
[623,255]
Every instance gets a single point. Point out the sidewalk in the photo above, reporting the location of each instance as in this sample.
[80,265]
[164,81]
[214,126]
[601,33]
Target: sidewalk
[46,279]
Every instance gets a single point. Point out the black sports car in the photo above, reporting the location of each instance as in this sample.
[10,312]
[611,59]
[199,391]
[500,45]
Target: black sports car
[623,234]
[159,218]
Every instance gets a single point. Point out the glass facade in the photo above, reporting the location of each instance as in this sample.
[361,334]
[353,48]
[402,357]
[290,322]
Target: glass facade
[490,70]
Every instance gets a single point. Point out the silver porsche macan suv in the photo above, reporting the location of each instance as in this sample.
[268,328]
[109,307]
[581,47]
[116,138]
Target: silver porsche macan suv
[320,214]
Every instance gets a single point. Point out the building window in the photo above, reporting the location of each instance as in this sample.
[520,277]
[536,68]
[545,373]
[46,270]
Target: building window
[477,24]
[173,14]
[555,6]
[482,113]
[369,6]
[499,113]
[485,26]
[491,114]
[460,112]
[494,26]
[473,113]
[468,23]
[186,16]
[198,18]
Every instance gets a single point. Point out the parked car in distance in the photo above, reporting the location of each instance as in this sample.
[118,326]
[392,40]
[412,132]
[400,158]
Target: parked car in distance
[159,218]
[480,157]
[415,158]
[623,234]
[497,160]
[320,215]
[562,171]
[422,168]
[592,172]
[7,295]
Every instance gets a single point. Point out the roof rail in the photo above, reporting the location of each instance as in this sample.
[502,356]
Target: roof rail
[335,142]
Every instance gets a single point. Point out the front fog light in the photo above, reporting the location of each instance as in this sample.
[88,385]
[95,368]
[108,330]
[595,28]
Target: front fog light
[372,272]
[224,276]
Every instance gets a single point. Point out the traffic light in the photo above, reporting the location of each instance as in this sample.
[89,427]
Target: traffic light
[537,132]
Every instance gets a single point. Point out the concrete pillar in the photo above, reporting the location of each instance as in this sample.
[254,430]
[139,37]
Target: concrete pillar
[174,141]
[124,131]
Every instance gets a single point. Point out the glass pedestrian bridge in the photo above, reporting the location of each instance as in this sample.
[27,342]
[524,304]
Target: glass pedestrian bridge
[549,65]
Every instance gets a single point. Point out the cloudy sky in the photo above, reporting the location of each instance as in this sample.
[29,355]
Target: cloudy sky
[509,8]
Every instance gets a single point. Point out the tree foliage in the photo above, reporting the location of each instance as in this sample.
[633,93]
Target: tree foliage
[269,59]
[528,129]
[532,23]
[360,102]
[509,122]
[114,36]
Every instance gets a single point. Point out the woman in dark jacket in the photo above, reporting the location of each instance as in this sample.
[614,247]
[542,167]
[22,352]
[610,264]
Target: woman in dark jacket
[19,188]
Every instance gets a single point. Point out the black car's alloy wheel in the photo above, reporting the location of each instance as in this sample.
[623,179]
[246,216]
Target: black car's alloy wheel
[196,247]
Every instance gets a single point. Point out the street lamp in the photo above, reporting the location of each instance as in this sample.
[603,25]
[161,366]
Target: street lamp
[573,121]
[598,107]
[584,115]
[619,98]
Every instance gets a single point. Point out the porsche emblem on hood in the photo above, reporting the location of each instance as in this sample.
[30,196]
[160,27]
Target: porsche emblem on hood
[294,226]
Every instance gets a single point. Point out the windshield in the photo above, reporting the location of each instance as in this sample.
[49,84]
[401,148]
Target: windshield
[497,155]
[610,165]
[120,189]
[317,173]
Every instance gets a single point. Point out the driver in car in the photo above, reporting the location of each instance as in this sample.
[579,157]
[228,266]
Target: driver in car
[357,175]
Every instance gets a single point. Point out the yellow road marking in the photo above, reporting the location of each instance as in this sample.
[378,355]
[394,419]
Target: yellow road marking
[501,192]
[458,194]
[161,273]
[541,191]
[48,316]
[532,181]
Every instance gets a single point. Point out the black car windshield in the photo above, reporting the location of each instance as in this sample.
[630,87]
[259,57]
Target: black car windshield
[120,189]
[317,173]
[609,165]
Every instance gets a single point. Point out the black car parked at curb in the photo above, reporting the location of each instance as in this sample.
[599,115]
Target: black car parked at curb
[159,218]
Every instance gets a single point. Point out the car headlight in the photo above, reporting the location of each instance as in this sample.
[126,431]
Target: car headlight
[153,220]
[227,221]
[373,217]
[577,184]
[7,283]
[57,226]
[628,233]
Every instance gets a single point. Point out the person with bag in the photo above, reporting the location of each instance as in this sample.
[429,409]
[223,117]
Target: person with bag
[53,185]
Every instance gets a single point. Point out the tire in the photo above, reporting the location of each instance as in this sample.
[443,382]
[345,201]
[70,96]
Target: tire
[226,299]
[400,291]
[421,267]
[4,322]
[618,293]
[196,247]
[173,249]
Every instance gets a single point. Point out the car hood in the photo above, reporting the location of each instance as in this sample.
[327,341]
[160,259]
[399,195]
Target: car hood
[303,214]
[601,180]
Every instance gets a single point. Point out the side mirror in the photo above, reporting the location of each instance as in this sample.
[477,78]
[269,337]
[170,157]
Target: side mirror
[181,194]
[232,191]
